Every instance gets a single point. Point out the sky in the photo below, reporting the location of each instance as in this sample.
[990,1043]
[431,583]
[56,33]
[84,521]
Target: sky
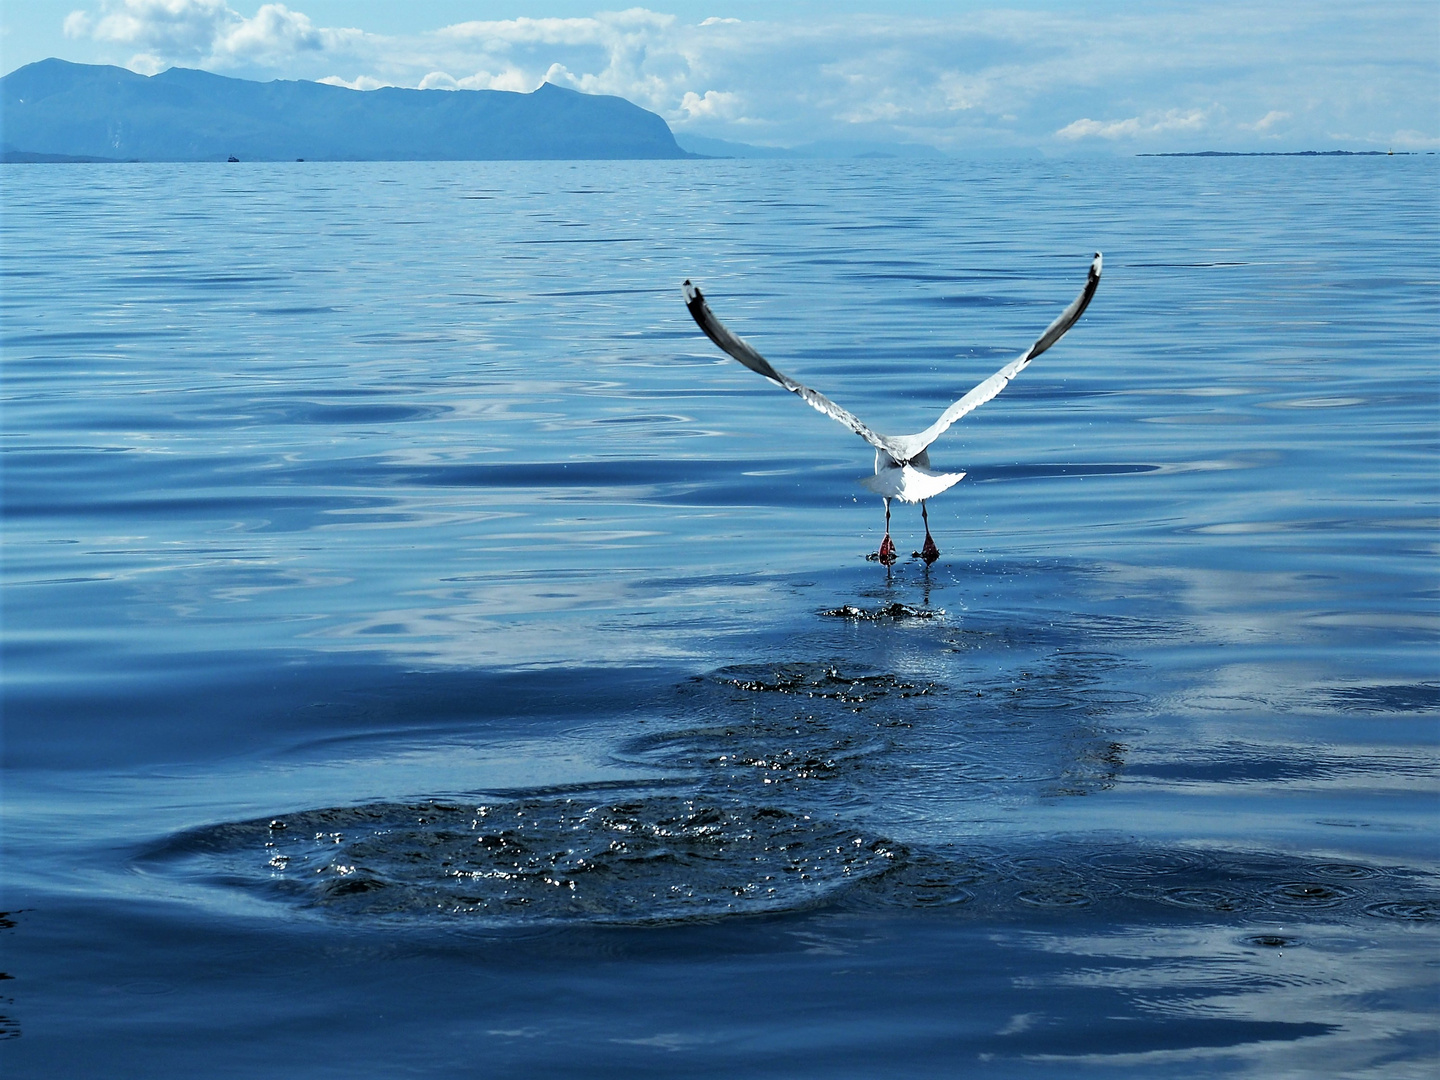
[1052,77]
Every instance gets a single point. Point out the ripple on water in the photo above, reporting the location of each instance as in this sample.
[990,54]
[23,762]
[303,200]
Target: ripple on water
[1272,941]
[1202,898]
[1307,895]
[774,751]
[762,814]
[640,857]
[1347,871]
[822,681]
[1423,910]
[1123,881]
[921,880]
[1143,864]
[890,612]
[645,856]
[1404,698]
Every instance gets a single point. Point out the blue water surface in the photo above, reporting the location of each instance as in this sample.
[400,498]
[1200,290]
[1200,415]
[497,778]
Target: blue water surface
[424,651]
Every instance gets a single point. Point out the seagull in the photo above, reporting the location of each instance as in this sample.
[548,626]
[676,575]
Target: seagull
[902,462]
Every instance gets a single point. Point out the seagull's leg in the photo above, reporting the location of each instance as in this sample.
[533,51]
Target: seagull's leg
[929,552]
[887,547]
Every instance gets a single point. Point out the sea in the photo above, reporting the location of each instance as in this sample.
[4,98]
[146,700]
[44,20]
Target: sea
[424,653]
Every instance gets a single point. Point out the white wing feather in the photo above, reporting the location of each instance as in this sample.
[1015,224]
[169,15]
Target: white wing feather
[901,448]
[910,445]
[741,350]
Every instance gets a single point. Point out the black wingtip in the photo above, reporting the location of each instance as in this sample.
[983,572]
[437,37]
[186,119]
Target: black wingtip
[695,302]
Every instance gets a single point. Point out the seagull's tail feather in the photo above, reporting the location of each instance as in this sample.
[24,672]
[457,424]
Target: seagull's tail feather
[910,483]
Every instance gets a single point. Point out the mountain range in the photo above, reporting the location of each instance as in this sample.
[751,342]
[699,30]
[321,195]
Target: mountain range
[54,110]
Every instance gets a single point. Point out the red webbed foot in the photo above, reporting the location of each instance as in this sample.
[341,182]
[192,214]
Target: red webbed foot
[887,551]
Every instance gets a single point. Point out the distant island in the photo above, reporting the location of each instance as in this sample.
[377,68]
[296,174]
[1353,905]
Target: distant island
[1284,153]
[54,110]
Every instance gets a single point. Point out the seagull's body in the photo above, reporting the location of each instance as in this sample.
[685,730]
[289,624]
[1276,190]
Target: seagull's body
[902,462]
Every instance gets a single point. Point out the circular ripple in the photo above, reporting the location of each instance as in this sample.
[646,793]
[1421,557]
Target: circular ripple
[927,894]
[1298,895]
[923,882]
[1056,897]
[1408,910]
[1205,899]
[1347,871]
[1139,863]
[1272,941]
[1038,864]
[1090,701]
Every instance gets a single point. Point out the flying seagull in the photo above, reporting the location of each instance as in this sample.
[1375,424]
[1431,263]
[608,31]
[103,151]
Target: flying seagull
[902,462]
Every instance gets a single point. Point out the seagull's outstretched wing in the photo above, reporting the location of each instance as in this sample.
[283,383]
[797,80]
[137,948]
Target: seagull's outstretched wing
[911,445]
[740,349]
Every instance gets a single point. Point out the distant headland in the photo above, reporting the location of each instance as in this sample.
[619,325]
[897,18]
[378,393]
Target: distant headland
[54,110]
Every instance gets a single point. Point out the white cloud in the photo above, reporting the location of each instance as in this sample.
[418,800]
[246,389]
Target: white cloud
[274,31]
[713,103]
[1266,122]
[961,76]
[360,82]
[78,24]
[205,32]
[1135,127]
[1407,140]
[512,80]
[165,27]
[145,64]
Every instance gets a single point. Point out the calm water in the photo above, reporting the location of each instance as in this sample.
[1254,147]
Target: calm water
[423,650]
